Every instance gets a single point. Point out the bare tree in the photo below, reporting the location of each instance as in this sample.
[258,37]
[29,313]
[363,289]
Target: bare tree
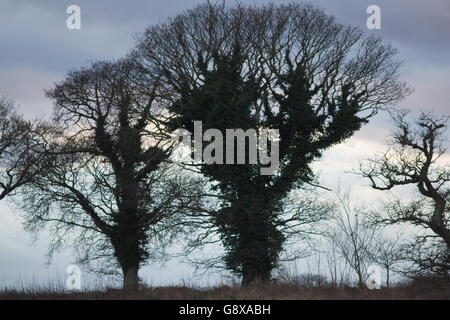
[413,157]
[387,252]
[338,268]
[353,239]
[21,145]
[425,256]
[110,191]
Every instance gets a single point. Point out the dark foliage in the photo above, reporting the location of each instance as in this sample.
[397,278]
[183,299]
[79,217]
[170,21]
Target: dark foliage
[291,68]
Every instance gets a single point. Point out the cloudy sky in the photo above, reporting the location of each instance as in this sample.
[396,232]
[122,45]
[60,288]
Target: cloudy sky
[37,50]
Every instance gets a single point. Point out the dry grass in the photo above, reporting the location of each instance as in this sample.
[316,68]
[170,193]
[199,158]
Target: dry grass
[416,290]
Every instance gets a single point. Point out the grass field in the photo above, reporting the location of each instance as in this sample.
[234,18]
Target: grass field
[416,290]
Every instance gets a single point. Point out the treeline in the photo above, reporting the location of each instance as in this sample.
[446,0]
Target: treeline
[102,178]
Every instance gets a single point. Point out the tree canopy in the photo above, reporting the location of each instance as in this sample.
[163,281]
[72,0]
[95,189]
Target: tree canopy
[288,67]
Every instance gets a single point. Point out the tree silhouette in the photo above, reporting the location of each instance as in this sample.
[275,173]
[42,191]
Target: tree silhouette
[289,67]
[109,190]
[413,159]
[21,145]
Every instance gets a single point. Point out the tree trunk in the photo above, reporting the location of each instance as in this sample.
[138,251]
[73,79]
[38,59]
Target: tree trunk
[387,277]
[359,272]
[252,274]
[131,279]
[256,258]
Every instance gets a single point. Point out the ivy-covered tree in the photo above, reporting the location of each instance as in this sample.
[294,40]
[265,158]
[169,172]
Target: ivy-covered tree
[291,68]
